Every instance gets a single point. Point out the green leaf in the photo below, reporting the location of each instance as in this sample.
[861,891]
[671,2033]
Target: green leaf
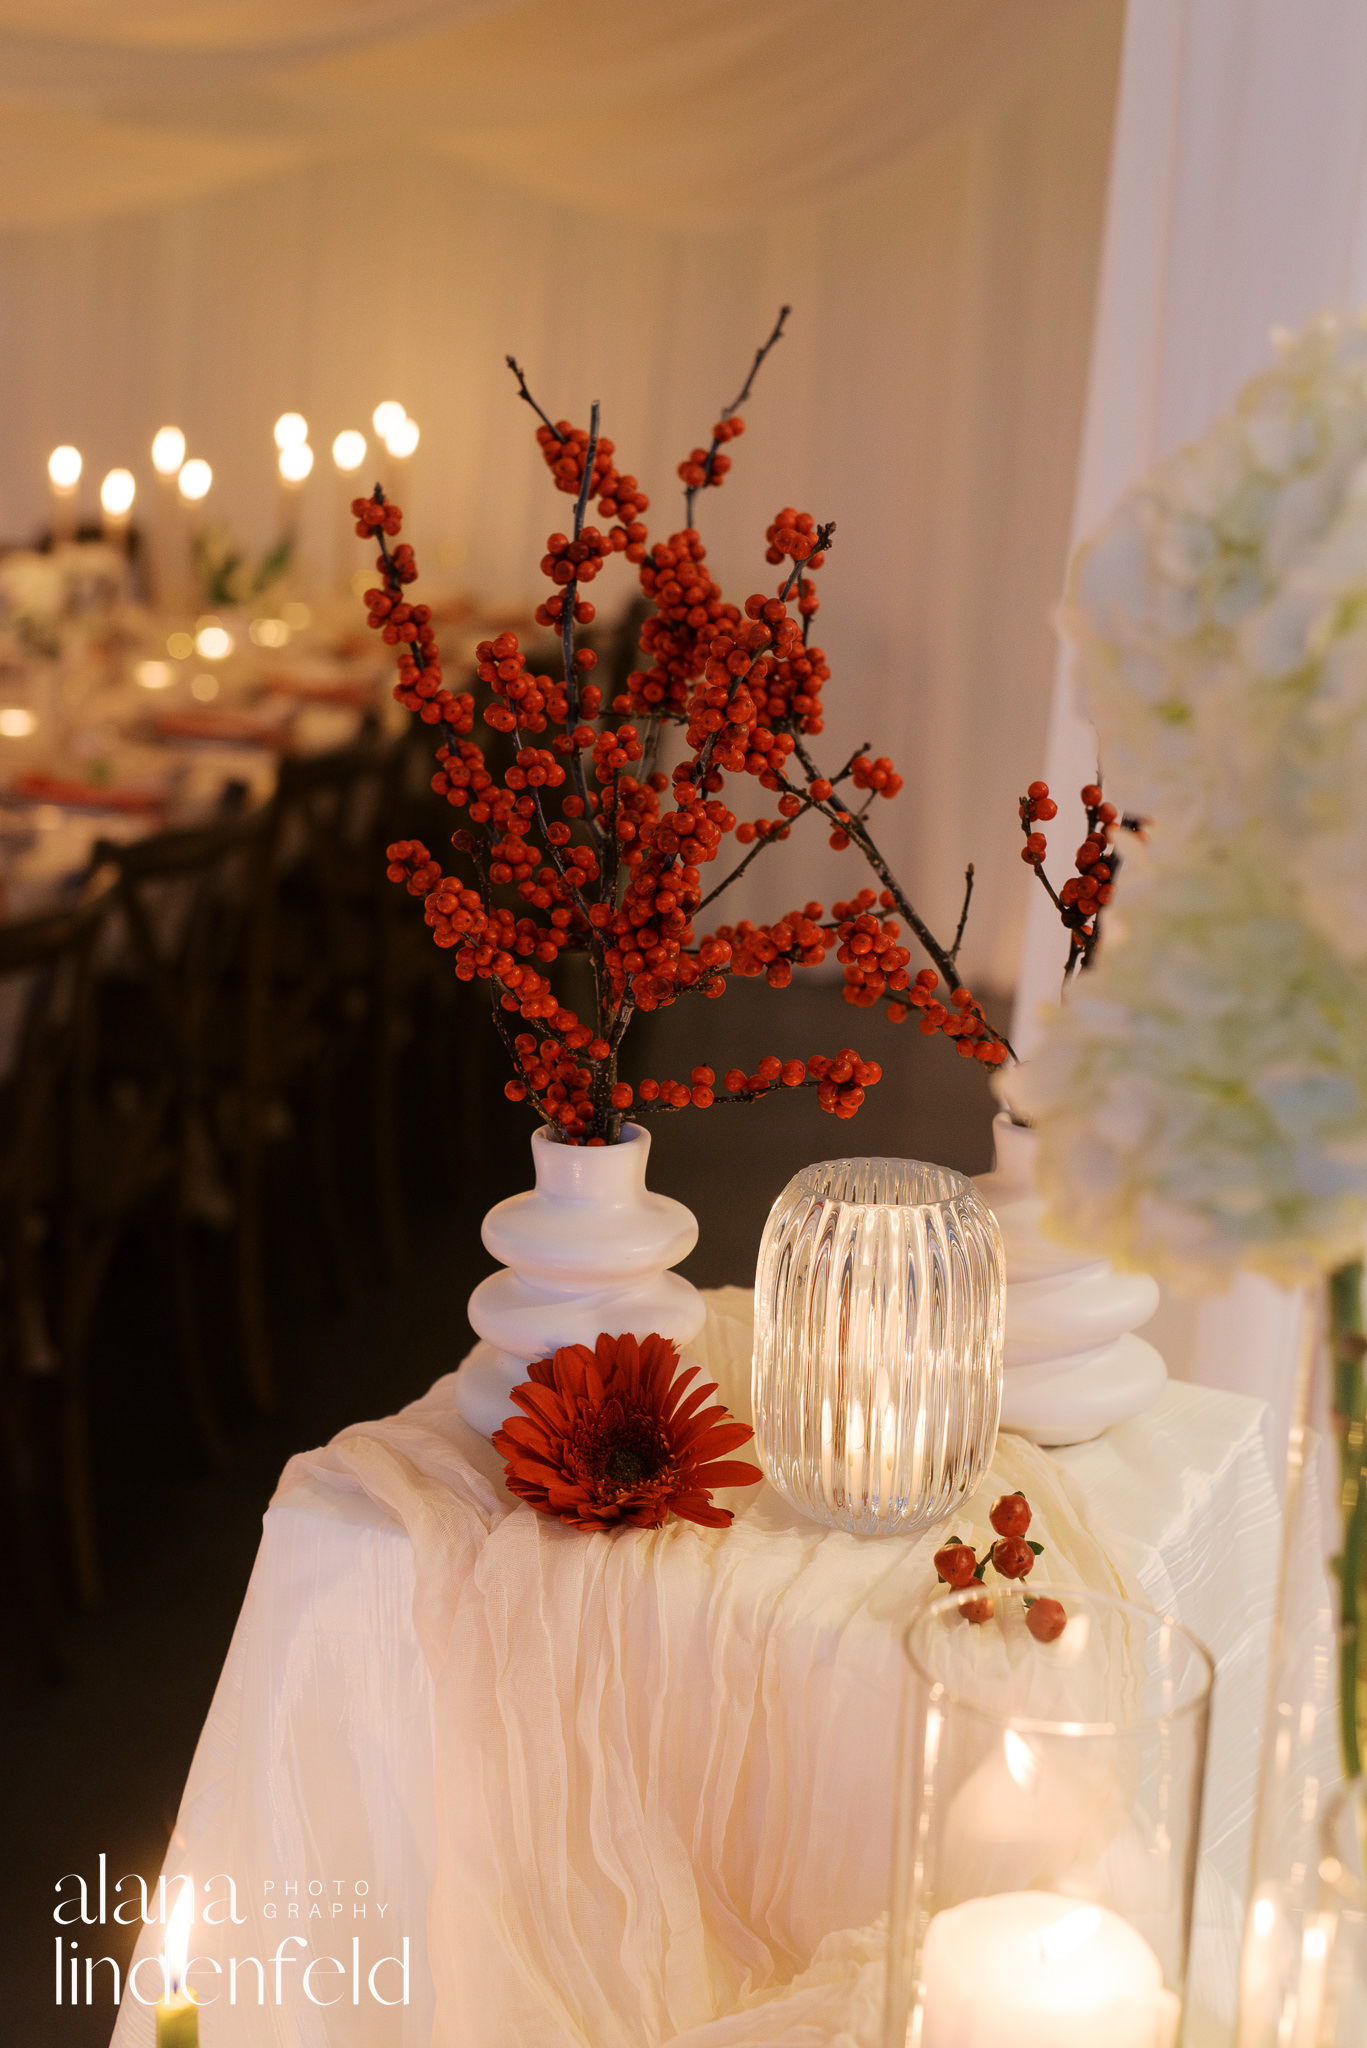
[1038,1548]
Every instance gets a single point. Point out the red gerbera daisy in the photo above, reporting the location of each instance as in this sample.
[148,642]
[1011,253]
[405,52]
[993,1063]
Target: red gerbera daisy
[613,1435]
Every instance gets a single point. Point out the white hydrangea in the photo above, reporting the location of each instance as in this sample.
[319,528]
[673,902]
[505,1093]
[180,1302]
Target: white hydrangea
[1201,1099]
[1220,622]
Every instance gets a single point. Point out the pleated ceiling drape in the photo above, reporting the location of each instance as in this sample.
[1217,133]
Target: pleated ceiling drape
[214,213]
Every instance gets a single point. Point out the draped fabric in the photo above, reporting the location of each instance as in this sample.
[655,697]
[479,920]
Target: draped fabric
[1237,204]
[210,214]
[628,1719]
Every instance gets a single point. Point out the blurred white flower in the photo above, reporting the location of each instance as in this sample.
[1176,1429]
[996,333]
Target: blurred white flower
[1201,1101]
[1220,622]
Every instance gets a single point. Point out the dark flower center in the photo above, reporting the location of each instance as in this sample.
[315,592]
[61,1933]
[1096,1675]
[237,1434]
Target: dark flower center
[623,1449]
[626,1464]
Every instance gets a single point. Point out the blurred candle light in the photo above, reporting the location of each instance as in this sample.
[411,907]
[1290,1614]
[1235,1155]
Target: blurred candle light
[403,439]
[296,461]
[213,641]
[348,451]
[154,675]
[64,475]
[387,417]
[178,2012]
[16,723]
[269,632]
[195,479]
[168,451]
[204,688]
[64,468]
[117,493]
[291,430]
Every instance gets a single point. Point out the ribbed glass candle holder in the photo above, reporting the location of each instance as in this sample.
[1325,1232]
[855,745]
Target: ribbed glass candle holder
[877,1373]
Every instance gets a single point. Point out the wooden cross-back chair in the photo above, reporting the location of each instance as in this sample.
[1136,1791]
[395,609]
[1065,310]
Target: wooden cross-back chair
[49,1258]
[333,990]
[183,1051]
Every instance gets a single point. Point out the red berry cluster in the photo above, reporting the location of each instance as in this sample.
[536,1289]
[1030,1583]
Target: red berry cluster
[566,449]
[840,1083]
[871,953]
[773,949]
[407,627]
[793,535]
[524,700]
[962,1019]
[705,465]
[688,605]
[958,1566]
[1091,886]
[878,775]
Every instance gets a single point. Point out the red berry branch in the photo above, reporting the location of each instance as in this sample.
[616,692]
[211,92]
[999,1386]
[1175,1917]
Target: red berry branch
[1087,891]
[574,830]
[602,853]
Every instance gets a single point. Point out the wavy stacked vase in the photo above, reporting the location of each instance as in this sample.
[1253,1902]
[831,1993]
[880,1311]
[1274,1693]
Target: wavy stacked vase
[1073,1364]
[587,1250]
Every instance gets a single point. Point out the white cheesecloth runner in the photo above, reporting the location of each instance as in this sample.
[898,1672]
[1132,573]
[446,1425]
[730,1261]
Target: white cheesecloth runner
[665,1759]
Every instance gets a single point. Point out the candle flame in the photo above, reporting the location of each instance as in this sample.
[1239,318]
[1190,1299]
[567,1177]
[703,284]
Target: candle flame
[177,1949]
[1069,1933]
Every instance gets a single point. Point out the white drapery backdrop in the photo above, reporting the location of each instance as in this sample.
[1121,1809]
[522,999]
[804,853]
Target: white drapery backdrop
[212,213]
[1237,204]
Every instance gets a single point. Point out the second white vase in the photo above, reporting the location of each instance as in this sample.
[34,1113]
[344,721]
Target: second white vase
[1073,1364]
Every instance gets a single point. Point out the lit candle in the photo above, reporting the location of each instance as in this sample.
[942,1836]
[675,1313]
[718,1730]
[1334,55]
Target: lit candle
[168,453]
[117,493]
[64,474]
[400,436]
[195,480]
[403,440]
[177,2012]
[1039,1970]
[168,546]
[387,416]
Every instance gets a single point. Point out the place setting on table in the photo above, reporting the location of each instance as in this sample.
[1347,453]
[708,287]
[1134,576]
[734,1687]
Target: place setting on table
[888,1654]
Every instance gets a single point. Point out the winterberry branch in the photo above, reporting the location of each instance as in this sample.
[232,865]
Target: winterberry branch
[772,838]
[729,412]
[819,546]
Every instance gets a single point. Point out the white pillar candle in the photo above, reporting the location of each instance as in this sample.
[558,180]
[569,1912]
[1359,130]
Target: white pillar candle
[1038,1970]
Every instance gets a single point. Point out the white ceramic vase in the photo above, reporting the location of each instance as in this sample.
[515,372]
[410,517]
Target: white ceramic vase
[1073,1364]
[587,1250]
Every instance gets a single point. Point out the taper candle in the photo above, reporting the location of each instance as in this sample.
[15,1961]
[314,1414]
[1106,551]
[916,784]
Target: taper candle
[177,2012]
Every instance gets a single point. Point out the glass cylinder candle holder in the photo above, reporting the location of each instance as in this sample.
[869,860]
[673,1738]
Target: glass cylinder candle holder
[1048,1818]
[1331,2007]
[879,1302]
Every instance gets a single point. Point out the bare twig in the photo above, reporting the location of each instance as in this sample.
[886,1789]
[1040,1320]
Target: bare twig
[523,392]
[728,410]
[963,914]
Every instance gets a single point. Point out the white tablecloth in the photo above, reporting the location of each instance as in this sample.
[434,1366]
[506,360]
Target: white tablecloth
[591,1850]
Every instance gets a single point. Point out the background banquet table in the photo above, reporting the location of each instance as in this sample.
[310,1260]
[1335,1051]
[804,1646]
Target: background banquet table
[328,1760]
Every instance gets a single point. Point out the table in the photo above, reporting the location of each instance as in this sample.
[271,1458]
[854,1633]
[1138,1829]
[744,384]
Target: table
[587,1803]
